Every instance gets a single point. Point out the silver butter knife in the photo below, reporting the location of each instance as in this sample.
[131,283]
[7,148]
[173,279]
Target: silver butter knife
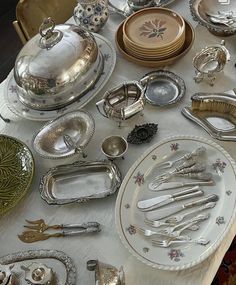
[164,213]
[149,204]
[173,185]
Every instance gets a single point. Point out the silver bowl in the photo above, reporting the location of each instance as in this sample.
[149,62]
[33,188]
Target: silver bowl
[65,136]
[55,62]
[114,147]
[208,13]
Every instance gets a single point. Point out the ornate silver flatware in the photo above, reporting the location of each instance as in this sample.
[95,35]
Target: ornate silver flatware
[215,113]
[80,182]
[163,87]
[31,236]
[210,61]
[64,136]
[7,276]
[56,266]
[106,274]
[142,133]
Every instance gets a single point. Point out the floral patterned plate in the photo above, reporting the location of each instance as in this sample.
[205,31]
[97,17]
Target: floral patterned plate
[16,172]
[18,108]
[135,188]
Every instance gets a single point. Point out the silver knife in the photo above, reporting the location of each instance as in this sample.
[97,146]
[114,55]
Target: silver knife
[145,205]
[164,213]
[173,185]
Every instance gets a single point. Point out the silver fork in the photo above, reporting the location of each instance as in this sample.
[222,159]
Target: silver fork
[149,233]
[170,241]
[179,218]
[197,152]
[199,218]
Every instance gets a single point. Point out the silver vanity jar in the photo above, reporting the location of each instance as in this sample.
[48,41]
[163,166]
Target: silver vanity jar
[57,66]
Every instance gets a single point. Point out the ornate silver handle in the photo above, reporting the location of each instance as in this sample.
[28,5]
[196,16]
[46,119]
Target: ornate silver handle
[210,198]
[187,196]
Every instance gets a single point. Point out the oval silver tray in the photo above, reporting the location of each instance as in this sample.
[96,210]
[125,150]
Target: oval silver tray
[61,264]
[79,182]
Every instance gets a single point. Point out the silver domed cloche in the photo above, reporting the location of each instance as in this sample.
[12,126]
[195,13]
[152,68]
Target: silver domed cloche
[57,66]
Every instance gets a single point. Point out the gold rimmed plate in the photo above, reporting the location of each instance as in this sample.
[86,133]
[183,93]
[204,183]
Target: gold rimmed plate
[189,39]
[154,28]
[16,172]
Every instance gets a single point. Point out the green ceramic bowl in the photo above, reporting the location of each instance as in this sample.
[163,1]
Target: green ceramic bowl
[16,172]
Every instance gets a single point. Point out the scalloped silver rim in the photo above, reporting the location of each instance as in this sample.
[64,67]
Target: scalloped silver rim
[72,154]
[207,25]
[117,220]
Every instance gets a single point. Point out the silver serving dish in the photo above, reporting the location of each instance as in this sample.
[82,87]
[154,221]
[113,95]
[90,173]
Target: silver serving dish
[210,61]
[215,113]
[163,87]
[106,274]
[123,101]
[79,182]
[64,136]
[208,13]
[39,267]
[55,62]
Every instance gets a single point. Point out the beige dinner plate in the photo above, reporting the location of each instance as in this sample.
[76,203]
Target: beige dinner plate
[189,39]
[154,51]
[154,28]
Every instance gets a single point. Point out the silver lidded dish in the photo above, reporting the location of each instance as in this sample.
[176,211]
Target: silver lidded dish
[80,182]
[219,17]
[58,59]
[65,136]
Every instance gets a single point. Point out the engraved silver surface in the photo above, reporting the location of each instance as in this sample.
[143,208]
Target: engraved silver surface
[79,182]
[49,67]
[65,136]
[123,101]
[201,8]
[218,115]
[61,263]
[210,61]
[163,87]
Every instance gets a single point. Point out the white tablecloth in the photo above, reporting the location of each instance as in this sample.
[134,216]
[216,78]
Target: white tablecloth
[106,246]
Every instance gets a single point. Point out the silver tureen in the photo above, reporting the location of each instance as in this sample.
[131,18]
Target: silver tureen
[57,66]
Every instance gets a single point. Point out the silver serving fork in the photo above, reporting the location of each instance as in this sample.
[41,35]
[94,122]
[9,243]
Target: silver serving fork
[170,241]
[171,231]
[197,152]
[199,218]
[173,221]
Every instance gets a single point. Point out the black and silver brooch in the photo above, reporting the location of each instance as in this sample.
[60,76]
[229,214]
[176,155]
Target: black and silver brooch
[142,134]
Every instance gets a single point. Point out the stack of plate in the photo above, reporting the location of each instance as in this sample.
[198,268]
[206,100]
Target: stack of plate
[154,34]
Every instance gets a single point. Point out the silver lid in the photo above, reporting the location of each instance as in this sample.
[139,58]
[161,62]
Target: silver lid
[53,62]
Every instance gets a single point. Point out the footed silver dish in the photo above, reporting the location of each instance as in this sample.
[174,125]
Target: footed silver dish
[79,182]
[210,61]
[65,136]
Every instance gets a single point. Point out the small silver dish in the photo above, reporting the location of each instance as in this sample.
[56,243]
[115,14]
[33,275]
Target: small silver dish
[65,136]
[80,182]
[114,147]
[208,13]
[106,274]
[122,102]
[163,87]
[210,61]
